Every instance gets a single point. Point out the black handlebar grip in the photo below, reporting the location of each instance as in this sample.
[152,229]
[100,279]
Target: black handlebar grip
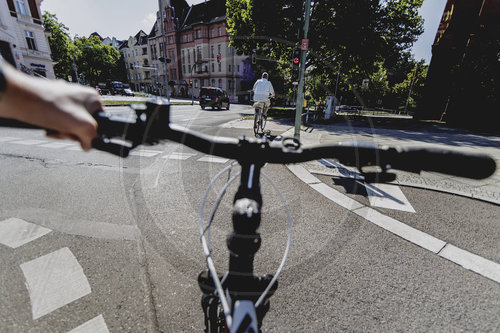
[475,166]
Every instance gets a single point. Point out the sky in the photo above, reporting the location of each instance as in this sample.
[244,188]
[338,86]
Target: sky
[111,18]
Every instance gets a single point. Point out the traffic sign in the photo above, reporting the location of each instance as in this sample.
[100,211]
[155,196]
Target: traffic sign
[304,46]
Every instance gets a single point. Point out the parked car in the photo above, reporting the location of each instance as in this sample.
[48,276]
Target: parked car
[128,92]
[213,97]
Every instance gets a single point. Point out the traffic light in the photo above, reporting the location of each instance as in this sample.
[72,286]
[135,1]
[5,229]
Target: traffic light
[190,82]
[254,58]
[163,59]
[218,58]
[296,58]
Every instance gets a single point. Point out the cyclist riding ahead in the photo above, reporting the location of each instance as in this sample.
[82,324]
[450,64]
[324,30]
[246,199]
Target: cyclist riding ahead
[263,90]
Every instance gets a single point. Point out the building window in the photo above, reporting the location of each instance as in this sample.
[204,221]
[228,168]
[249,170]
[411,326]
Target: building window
[184,69]
[198,33]
[220,83]
[21,7]
[213,83]
[212,51]
[212,32]
[198,51]
[189,56]
[144,51]
[202,82]
[196,83]
[229,50]
[219,31]
[229,68]
[30,40]
[174,74]
[238,68]
[182,57]
[218,49]
[220,67]
[170,39]
[213,67]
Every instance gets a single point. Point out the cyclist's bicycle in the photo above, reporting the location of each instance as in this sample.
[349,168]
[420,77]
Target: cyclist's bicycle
[238,300]
[259,121]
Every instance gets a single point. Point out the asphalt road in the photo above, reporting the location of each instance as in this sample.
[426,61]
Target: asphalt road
[113,245]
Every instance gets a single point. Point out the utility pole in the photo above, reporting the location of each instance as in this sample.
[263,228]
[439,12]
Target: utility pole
[164,42]
[300,91]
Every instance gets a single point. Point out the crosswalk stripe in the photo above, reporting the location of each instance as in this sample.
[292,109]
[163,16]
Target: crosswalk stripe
[96,325]
[53,281]
[29,142]
[178,156]
[8,138]
[15,232]
[57,145]
[213,159]
[145,153]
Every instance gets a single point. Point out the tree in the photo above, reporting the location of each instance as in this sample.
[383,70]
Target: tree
[353,35]
[97,61]
[62,49]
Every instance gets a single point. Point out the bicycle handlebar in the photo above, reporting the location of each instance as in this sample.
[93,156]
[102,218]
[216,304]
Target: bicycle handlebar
[152,125]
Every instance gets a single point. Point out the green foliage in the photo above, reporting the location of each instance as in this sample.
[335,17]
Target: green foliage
[61,46]
[98,61]
[363,38]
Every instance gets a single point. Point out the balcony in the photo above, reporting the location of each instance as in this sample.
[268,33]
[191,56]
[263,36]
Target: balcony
[26,18]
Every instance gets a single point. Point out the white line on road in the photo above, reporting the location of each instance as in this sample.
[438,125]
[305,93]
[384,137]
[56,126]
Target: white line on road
[413,235]
[57,145]
[8,138]
[178,156]
[472,262]
[388,196]
[145,153]
[213,159]
[29,142]
[54,280]
[96,325]
[16,232]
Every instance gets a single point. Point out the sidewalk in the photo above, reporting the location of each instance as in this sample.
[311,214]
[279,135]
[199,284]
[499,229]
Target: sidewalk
[413,134]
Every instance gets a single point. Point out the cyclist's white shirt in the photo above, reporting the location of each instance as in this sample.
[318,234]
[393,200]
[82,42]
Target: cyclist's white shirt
[262,88]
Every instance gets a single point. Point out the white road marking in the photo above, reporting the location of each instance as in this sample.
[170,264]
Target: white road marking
[472,262]
[8,138]
[413,235]
[96,325]
[145,153]
[340,170]
[468,260]
[54,280]
[213,159]
[29,142]
[388,196]
[57,145]
[303,174]
[16,232]
[178,156]
[75,148]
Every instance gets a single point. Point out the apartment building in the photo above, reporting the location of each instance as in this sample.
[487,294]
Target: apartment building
[23,41]
[186,44]
[137,62]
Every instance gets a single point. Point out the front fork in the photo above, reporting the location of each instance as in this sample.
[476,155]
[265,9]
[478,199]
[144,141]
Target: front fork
[243,242]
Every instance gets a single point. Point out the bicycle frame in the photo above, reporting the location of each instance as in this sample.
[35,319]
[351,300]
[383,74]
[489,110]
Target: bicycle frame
[259,122]
[242,286]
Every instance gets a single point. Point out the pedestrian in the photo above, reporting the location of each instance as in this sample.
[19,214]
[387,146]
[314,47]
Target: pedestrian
[55,105]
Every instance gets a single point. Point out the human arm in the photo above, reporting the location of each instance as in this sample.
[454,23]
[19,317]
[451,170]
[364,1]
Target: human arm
[56,105]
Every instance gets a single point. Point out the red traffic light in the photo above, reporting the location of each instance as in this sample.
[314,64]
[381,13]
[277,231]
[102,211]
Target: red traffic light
[296,60]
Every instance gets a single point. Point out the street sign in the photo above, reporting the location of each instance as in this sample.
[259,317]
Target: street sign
[304,46]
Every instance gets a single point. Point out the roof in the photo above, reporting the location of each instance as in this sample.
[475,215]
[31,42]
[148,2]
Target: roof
[206,12]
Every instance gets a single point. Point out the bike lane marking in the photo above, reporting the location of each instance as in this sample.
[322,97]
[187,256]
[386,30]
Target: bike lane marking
[95,325]
[16,232]
[466,259]
[53,281]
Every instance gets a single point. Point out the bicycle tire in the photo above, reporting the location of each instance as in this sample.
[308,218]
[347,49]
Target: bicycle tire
[263,122]
[256,122]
